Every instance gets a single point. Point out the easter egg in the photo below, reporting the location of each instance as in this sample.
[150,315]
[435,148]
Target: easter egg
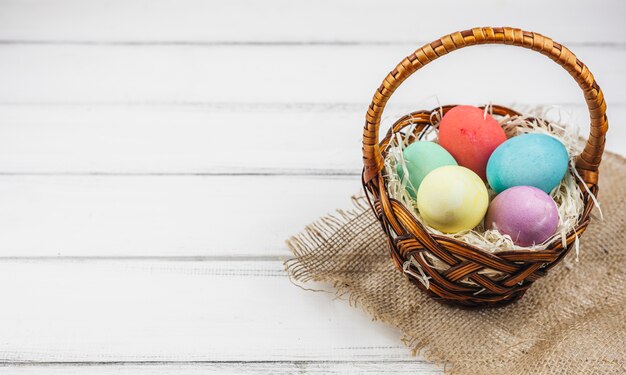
[470,136]
[452,199]
[421,158]
[537,160]
[525,213]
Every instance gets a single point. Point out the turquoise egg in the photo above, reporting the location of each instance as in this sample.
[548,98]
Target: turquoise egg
[537,160]
[422,157]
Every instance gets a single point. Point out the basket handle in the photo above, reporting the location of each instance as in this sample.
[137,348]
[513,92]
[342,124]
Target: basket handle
[589,159]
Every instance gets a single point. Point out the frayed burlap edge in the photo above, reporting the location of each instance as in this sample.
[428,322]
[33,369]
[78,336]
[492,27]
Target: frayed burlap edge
[307,243]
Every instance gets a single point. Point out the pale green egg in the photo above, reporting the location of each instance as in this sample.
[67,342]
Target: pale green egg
[421,158]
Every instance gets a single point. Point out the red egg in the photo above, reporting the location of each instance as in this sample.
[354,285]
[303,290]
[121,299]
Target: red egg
[470,136]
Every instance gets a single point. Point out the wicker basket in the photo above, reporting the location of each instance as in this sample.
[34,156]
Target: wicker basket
[406,235]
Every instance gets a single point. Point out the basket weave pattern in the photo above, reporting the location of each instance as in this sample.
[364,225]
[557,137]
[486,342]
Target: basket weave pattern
[407,237]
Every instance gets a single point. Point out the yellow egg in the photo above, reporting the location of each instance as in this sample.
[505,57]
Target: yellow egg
[452,199]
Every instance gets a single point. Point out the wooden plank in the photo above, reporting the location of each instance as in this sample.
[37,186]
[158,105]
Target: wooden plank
[290,74]
[308,21]
[232,368]
[179,216]
[160,311]
[252,139]
[212,139]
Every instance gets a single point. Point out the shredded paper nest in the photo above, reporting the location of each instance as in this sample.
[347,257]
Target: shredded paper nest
[567,194]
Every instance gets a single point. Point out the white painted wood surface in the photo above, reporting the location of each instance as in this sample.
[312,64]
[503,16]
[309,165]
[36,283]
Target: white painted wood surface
[138,137]
[168,310]
[140,74]
[162,215]
[230,368]
[272,21]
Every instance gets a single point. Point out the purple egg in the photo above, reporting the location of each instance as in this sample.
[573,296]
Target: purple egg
[525,213]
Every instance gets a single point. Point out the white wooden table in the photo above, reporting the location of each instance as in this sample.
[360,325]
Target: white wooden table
[154,155]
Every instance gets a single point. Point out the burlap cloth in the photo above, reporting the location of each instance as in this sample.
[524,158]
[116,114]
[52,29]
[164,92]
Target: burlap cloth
[571,321]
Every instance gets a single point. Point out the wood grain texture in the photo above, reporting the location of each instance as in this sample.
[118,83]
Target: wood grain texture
[272,21]
[161,311]
[178,216]
[313,139]
[158,74]
[232,368]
